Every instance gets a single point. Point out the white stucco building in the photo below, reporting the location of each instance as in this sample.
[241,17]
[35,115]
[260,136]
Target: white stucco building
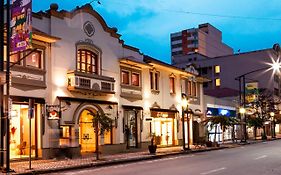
[81,66]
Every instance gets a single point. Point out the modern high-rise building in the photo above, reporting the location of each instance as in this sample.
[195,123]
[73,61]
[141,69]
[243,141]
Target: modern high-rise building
[206,40]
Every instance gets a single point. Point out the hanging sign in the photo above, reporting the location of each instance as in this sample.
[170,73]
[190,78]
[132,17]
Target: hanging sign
[252,92]
[21,28]
[53,112]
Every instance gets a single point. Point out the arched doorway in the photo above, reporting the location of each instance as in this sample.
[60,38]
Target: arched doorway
[87,136]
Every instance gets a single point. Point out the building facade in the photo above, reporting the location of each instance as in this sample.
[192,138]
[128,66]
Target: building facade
[206,40]
[80,68]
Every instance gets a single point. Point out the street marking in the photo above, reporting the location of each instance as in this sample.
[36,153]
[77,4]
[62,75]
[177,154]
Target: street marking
[213,171]
[261,157]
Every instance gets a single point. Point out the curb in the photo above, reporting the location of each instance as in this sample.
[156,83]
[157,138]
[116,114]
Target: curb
[120,161]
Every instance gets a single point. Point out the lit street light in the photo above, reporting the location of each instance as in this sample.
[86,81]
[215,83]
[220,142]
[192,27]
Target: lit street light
[185,110]
[275,66]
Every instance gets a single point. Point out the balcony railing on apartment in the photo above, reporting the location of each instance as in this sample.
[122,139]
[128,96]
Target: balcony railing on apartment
[85,82]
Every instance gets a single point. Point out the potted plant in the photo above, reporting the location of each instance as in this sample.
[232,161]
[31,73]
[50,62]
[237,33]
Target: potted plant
[152,147]
[209,143]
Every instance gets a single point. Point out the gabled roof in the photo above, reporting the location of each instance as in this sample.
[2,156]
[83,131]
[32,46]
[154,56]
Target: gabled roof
[87,8]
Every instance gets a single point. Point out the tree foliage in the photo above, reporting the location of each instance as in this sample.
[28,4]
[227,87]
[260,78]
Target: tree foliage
[103,121]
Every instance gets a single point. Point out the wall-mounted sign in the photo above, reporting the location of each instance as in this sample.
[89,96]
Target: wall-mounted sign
[53,112]
[21,28]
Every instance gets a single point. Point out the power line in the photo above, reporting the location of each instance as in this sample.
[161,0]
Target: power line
[203,14]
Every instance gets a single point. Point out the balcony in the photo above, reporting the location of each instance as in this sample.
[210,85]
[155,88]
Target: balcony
[90,83]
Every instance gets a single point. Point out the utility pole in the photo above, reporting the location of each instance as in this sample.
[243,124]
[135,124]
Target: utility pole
[1,86]
[8,90]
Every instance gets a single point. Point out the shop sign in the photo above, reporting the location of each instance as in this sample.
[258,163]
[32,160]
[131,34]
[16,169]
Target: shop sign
[21,28]
[220,112]
[53,112]
[252,92]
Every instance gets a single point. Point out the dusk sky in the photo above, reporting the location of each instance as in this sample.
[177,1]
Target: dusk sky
[146,24]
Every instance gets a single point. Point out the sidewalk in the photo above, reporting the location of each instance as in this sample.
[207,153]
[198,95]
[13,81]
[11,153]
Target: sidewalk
[53,165]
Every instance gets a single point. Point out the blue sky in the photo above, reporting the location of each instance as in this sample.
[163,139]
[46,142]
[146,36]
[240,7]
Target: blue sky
[147,24]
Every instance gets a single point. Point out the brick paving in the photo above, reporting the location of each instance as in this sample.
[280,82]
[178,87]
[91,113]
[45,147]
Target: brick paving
[21,167]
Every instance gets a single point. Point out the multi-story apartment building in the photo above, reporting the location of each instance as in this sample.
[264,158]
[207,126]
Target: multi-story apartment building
[81,65]
[206,40]
[223,70]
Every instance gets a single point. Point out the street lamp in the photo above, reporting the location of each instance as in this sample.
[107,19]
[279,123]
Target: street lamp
[183,109]
[272,114]
[275,66]
[242,111]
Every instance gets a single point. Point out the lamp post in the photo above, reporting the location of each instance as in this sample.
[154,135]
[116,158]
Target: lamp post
[184,107]
[242,111]
[242,82]
[272,114]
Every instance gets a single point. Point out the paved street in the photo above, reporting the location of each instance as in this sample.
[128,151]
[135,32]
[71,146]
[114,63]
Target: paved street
[262,158]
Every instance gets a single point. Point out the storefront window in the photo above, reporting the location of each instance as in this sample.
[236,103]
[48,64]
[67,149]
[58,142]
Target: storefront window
[19,131]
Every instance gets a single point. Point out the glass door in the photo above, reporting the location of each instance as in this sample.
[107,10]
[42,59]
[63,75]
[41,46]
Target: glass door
[87,133]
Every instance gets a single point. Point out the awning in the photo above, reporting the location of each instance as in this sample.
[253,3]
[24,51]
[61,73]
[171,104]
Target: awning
[26,99]
[132,107]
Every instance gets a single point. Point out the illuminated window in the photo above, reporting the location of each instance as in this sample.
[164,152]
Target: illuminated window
[87,61]
[107,137]
[154,80]
[65,131]
[217,69]
[218,82]
[135,79]
[172,85]
[33,60]
[125,77]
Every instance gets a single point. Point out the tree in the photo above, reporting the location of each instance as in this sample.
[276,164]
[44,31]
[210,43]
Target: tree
[255,122]
[101,123]
[266,102]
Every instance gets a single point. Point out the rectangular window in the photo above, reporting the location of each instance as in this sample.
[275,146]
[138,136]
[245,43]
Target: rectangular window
[194,89]
[135,79]
[151,80]
[218,82]
[157,81]
[125,77]
[107,137]
[217,69]
[34,59]
[189,88]
[14,57]
[172,85]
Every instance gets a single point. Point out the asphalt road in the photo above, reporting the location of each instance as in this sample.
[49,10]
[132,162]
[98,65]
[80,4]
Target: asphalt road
[258,159]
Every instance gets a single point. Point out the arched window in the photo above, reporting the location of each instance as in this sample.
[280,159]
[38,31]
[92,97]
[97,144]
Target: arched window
[87,61]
